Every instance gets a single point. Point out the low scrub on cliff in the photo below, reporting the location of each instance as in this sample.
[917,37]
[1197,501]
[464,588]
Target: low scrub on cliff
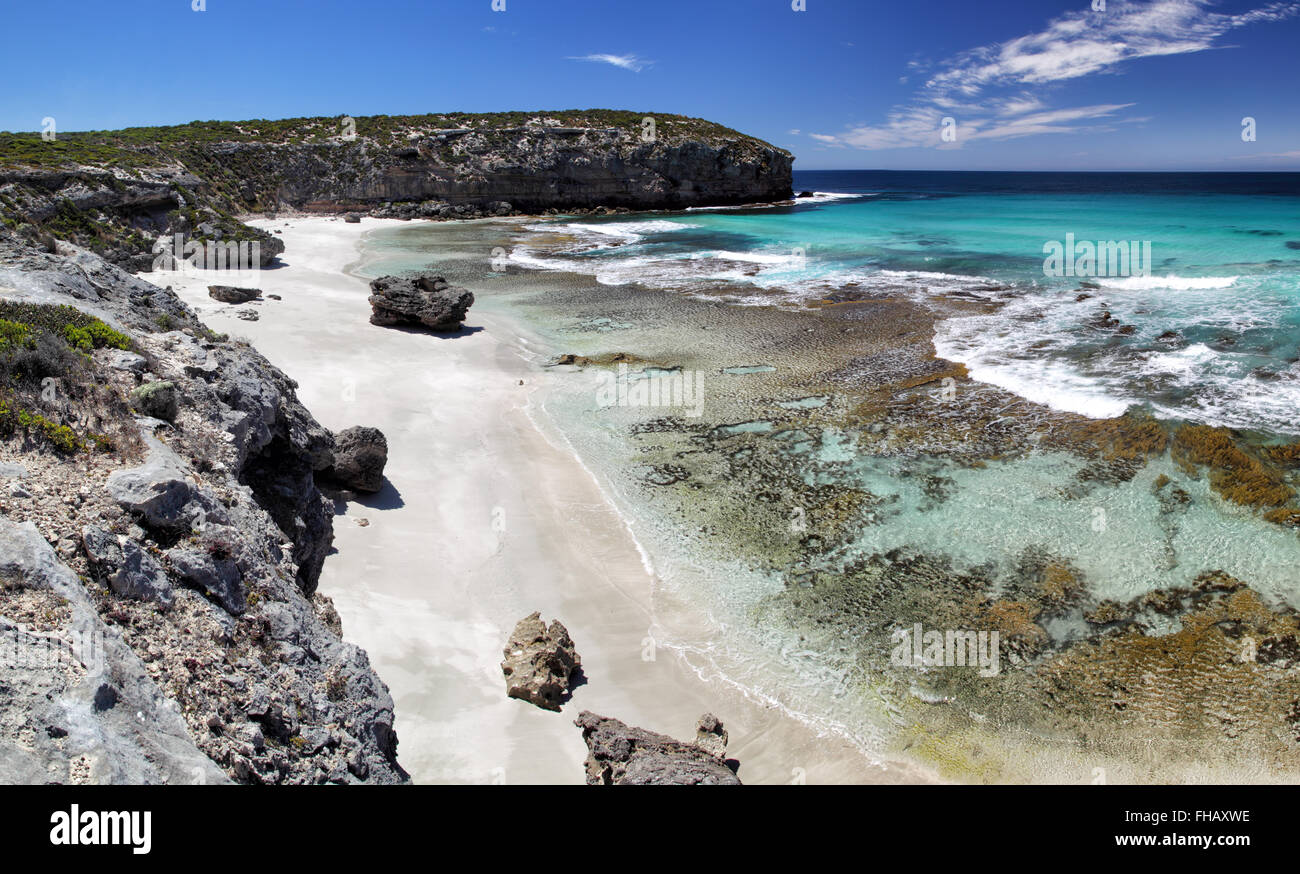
[139,147]
[49,383]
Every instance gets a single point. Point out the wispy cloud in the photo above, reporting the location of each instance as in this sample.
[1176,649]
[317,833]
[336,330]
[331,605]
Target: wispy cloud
[627,62]
[1292,155]
[985,88]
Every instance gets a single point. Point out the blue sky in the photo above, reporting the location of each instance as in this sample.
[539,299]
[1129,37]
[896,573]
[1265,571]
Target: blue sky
[1028,84]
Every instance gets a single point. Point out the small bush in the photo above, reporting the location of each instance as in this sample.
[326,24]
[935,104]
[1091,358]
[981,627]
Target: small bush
[13,334]
[96,335]
[43,356]
[14,418]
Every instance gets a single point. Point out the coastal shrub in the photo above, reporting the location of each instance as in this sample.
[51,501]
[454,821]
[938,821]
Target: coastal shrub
[38,341]
[14,418]
[77,328]
[157,399]
[13,334]
[133,149]
[95,335]
[41,356]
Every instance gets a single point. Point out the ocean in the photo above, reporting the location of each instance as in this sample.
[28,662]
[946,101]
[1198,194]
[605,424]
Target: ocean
[806,517]
[1205,327]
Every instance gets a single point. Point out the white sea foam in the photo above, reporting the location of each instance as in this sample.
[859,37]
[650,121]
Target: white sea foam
[630,230]
[1143,283]
[829,197]
[922,274]
[998,360]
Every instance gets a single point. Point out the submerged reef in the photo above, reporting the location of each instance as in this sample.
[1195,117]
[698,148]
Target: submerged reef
[1117,573]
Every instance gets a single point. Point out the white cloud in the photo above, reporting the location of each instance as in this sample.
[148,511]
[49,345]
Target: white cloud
[627,62]
[1293,155]
[1075,45]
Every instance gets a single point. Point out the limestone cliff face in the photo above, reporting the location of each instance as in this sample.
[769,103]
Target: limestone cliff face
[118,192]
[531,170]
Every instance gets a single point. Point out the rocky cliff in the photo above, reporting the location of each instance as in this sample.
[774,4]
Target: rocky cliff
[117,192]
[161,538]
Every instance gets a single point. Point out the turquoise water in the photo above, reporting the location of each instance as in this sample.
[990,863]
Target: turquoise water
[1225,281]
[1209,331]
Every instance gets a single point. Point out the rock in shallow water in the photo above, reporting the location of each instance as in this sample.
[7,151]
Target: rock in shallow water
[540,663]
[622,755]
[421,300]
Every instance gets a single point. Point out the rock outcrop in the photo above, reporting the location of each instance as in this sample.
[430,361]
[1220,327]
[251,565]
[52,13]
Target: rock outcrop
[360,455]
[79,704]
[187,552]
[619,754]
[541,664]
[419,300]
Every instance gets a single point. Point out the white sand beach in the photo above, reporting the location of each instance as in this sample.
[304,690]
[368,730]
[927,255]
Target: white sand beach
[486,519]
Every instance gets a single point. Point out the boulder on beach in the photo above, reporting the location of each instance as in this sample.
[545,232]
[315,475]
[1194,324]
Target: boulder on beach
[540,663]
[622,755]
[360,454]
[233,294]
[352,218]
[418,300]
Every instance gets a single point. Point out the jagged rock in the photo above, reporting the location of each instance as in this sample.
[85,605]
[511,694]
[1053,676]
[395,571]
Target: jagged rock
[540,662]
[78,703]
[157,399]
[710,736]
[352,218]
[247,315]
[233,294]
[127,568]
[360,454]
[280,448]
[807,194]
[217,575]
[156,491]
[619,754]
[120,359]
[421,300]
[235,485]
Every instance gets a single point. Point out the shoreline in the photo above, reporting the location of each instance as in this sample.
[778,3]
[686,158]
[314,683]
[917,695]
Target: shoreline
[515,523]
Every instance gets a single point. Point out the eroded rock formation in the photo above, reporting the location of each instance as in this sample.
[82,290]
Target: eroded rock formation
[620,754]
[541,663]
[428,301]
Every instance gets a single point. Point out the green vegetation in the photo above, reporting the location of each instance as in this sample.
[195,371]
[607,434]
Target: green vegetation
[40,342]
[13,334]
[138,148]
[62,438]
[21,323]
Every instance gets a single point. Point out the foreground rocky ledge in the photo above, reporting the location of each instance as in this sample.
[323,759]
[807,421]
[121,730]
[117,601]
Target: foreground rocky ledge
[158,578]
